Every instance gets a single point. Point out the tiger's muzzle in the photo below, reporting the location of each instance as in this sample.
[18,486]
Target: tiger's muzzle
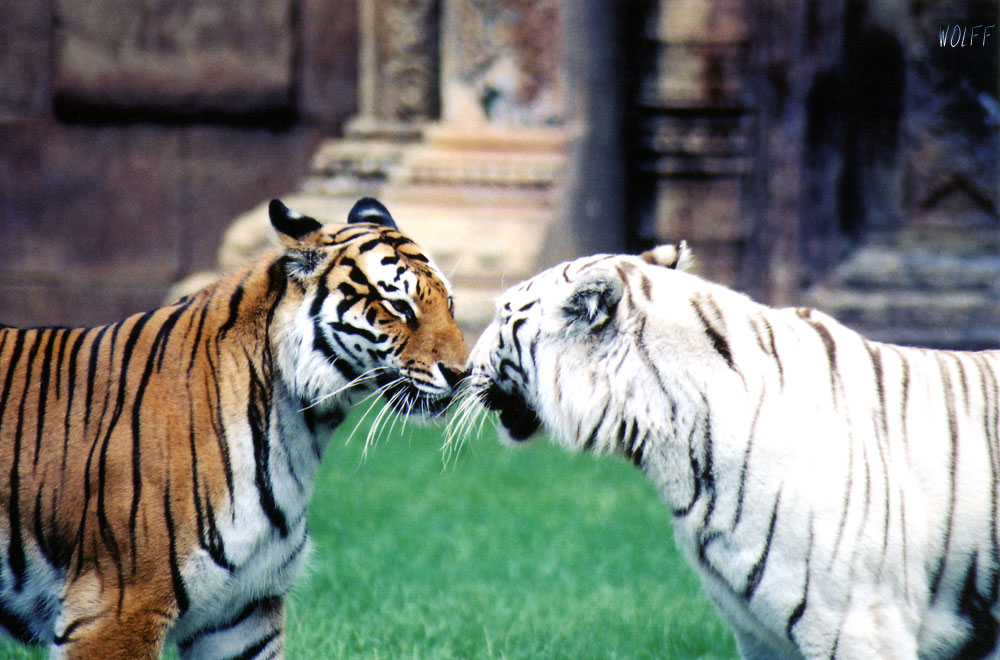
[408,395]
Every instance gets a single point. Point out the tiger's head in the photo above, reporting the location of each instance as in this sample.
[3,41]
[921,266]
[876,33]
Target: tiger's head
[366,309]
[565,350]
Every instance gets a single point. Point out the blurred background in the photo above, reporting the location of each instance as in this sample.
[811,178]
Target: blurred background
[837,153]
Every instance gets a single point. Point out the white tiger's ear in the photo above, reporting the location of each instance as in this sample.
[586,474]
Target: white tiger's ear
[593,301]
[673,256]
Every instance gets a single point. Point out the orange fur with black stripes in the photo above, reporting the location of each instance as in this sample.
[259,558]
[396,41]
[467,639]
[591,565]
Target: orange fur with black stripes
[155,472]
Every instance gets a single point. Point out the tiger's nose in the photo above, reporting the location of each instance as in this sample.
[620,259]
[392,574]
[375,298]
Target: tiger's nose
[451,376]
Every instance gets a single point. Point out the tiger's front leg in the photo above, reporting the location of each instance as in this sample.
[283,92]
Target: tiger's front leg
[102,622]
[255,633]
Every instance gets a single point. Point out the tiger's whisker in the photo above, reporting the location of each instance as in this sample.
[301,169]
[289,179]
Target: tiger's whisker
[374,395]
[409,411]
[374,436]
[396,414]
[367,375]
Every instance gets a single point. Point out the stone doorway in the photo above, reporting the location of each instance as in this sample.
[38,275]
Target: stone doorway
[835,154]
[917,155]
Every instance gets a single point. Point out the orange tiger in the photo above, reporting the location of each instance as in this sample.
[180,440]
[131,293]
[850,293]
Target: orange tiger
[155,472]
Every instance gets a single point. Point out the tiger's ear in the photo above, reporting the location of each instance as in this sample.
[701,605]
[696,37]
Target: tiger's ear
[369,209]
[296,233]
[291,225]
[669,255]
[593,301]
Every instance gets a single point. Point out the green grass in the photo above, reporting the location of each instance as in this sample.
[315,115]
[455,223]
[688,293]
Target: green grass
[526,552]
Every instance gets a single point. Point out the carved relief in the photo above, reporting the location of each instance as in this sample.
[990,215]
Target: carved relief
[406,59]
[501,61]
[183,56]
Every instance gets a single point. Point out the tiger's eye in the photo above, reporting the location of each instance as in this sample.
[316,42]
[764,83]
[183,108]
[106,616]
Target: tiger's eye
[405,309]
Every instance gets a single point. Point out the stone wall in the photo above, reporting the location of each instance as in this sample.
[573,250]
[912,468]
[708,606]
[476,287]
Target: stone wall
[131,134]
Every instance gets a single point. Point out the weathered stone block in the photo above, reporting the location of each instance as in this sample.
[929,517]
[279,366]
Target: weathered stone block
[686,75]
[700,22]
[699,210]
[185,56]
[24,57]
[69,303]
[697,134]
[228,170]
[328,61]
[82,200]
[720,262]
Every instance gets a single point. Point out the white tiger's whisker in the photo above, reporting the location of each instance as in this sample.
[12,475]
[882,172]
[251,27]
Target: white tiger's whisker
[470,406]
[458,424]
[482,419]
[459,406]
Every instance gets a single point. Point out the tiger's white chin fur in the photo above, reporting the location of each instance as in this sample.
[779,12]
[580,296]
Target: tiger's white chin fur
[838,497]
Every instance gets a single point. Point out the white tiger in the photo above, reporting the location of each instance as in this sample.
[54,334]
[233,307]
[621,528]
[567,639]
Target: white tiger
[837,496]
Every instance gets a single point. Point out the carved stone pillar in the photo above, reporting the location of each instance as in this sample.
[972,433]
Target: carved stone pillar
[461,131]
[399,65]
[692,125]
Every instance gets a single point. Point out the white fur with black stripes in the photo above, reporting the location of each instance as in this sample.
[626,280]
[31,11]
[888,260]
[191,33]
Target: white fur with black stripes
[838,497]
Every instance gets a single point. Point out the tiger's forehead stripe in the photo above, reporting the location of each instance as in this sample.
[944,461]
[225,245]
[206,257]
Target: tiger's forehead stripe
[400,244]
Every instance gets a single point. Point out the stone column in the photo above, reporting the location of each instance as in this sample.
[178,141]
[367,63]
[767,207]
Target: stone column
[693,122]
[398,67]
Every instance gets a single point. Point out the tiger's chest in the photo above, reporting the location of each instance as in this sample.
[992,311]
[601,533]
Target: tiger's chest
[215,593]
[261,538]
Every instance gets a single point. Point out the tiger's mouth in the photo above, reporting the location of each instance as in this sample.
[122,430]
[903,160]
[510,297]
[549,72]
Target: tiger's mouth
[517,417]
[408,397]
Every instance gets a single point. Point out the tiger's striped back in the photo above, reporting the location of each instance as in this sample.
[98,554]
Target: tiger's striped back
[155,472]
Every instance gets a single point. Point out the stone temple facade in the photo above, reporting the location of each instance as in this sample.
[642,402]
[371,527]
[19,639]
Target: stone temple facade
[836,154]
[843,153]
